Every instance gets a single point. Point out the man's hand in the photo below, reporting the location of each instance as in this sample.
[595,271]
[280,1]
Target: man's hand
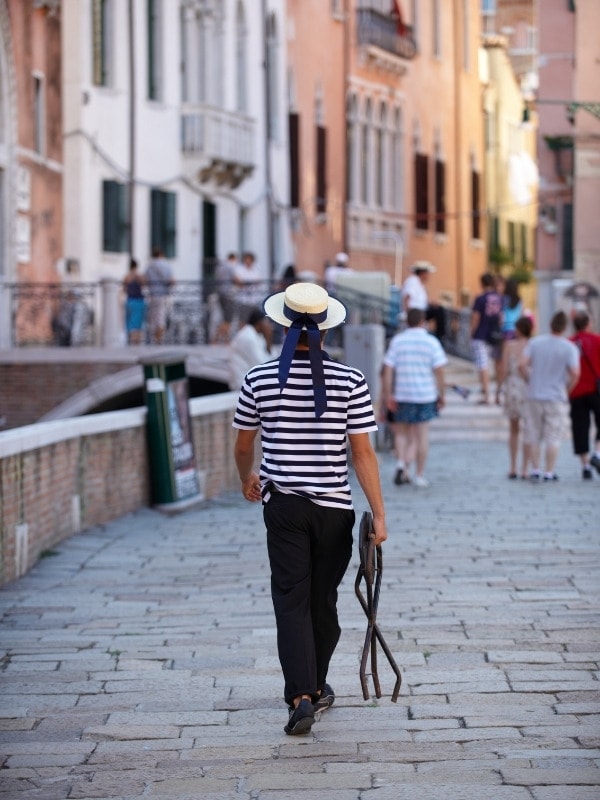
[251,488]
[379,532]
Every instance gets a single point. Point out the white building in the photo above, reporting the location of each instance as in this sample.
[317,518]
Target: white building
[183,100]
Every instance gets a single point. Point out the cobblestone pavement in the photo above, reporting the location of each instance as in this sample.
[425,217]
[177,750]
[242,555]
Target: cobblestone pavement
[139,658]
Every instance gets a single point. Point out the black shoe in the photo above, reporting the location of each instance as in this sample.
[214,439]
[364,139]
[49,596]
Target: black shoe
[301,719]
[595,462]
[401,477]
[325,700]
[587,474]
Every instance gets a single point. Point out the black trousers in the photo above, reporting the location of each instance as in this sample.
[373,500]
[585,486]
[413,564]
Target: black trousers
[581,409]
[309,549]
[437,314]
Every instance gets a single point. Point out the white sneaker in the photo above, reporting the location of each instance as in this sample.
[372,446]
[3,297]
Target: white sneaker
[420,482]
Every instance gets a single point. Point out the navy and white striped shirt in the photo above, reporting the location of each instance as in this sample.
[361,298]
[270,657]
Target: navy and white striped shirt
[303,454]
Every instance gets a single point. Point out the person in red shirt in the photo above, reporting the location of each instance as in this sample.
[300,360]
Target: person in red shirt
[584,398]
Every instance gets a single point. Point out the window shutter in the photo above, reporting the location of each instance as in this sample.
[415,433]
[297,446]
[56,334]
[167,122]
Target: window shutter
[321,170]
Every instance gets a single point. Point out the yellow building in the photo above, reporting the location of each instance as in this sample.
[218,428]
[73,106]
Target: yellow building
[510,167]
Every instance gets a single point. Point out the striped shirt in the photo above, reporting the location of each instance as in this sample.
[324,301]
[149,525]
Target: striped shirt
[302,454]
[414,354]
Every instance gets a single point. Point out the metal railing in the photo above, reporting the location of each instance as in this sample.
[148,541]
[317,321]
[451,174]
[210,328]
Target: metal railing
[75,314]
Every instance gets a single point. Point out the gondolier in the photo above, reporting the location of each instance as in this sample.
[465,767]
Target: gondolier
[307,407]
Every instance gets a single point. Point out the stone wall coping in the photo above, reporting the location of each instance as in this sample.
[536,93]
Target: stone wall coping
[41,434]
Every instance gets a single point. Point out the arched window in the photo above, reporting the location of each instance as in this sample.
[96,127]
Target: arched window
[241,35]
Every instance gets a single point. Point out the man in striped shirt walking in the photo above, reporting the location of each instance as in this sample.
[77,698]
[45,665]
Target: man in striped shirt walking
[307,408]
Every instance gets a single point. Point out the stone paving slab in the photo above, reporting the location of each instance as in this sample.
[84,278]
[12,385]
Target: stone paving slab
[141,661]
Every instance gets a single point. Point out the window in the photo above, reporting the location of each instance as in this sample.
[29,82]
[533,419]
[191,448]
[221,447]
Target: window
[396,171]
[115,217]
[321,176]
[101,23]
[475,200]
[380,158]
[421,192]
[39,114]
[494,234]
[163,221]
[272,64]
[154,50]
[440,196]
[352,152]
[294,137]
[241,34]
[567,236]
[366,155]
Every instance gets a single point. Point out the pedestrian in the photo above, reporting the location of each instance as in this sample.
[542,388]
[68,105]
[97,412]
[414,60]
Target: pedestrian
[584,398]
[550,365]
[486,331]
[340,266]
[135,303]
[413,390]
[251,345]
[250,285]
[415,295]
[512,310]
[159,280]
[514,391]
[307,408]
[224,281]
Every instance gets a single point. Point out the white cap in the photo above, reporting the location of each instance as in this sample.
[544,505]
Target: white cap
[341,258]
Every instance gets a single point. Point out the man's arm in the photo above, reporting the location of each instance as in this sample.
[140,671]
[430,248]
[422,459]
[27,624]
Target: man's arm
[475,317]
[573,374]
[441,386]
[244,460]
[387,381]
[366,467]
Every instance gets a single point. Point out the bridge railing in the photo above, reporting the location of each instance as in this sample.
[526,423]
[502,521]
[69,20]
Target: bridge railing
[93,314]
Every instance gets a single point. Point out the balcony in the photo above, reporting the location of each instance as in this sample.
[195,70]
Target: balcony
[218,144]
[384,33]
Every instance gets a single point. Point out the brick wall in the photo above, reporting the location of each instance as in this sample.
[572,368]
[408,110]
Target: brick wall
[59,478]
[30,390]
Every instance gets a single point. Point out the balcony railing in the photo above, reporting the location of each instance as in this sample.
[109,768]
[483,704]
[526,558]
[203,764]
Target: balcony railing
[384,31]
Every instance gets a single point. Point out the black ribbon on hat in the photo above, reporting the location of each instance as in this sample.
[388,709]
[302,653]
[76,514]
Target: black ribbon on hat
[300,320]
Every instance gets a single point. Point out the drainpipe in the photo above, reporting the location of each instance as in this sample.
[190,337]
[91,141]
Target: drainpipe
[132,129]
[345,84]
[459,45]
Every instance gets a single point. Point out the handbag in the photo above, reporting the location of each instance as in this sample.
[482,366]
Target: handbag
[495,335]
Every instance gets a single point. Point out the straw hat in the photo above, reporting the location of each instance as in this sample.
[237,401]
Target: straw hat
[308,299]
[422,266]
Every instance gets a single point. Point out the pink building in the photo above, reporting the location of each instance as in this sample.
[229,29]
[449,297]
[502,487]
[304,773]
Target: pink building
[568,103]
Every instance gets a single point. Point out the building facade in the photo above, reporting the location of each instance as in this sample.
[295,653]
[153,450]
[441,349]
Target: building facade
[31,169]
[568,103]
[415,132]
[174,133]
